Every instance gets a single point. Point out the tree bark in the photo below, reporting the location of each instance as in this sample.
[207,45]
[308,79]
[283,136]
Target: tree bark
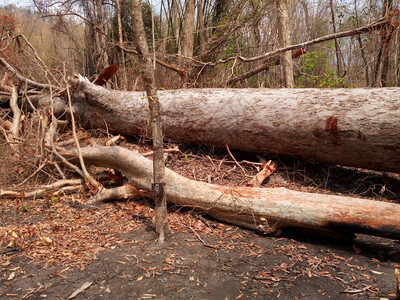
[188,29]
[284,40]
[307,22]
[396,59]
[337,47]
[16,124]
[162,227]
[200,27]
[362,50]
[176,25]
[121,43]
[352,127]
[264,209]
[382,61]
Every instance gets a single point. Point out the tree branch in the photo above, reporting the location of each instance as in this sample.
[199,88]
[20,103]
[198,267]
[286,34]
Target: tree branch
[367,28]
[181,72]
[265,66]
[24,79]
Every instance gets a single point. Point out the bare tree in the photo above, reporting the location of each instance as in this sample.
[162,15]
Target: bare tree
[382,62]
[200,27]
[360,43]
[188,29]
[396,59]
[176,24]
[162,227]
[284,40]
[121,43]
[95,39]
[338,52]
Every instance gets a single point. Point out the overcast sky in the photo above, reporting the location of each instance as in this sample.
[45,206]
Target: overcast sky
[19,3]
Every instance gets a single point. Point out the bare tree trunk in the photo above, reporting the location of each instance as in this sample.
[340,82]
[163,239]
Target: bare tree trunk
[396,59]
[337,47]
[353,127]
[100,38]
[158,185]
[360,43]
[16,113]
[306,19]
[121,43]
[382,59]
[176,24]
[188,29]
[188,39]
[90,44]
[284,41]
[200,26]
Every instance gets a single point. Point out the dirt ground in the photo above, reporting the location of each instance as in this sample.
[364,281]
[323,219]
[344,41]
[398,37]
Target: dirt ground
[55,248]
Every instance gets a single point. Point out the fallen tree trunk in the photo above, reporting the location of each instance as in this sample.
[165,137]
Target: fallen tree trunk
[352,127]
[264,209]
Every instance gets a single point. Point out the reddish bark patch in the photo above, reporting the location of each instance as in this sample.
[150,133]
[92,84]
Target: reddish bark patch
[331,127]
[106,74]
[298,52]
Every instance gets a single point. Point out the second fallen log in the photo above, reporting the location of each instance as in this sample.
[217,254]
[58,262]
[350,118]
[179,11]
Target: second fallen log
[264,209]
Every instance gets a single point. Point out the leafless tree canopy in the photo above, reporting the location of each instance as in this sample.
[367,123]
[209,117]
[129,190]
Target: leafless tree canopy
[212,43]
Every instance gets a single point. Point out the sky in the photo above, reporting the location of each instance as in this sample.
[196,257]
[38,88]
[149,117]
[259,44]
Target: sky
[18,3]
[28,3]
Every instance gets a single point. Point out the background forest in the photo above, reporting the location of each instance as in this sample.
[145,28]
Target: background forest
[191,41]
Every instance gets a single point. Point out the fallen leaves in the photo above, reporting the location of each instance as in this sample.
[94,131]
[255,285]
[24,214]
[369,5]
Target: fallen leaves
[56,233]
[13,240]
[11,276]
[61,234]
[169,261]
[45,240]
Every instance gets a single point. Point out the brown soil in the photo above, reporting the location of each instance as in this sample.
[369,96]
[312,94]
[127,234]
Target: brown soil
[51,247]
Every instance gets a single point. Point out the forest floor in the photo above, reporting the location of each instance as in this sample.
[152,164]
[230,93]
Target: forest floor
[53,247]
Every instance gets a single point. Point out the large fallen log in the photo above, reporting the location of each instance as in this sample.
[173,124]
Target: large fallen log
[264,209]
[353,127]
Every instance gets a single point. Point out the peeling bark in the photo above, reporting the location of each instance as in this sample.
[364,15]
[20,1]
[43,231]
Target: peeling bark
[266,171]
[16,113]
[264,209]
[352,127]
